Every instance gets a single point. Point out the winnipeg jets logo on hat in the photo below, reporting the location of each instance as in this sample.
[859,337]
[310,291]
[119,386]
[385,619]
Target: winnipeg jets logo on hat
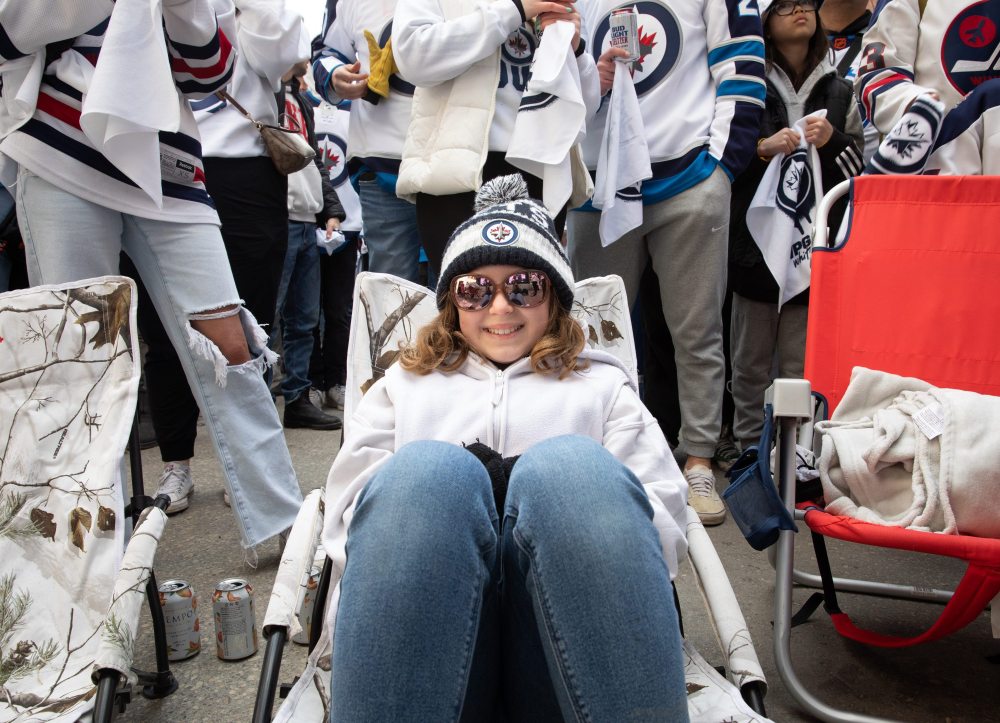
[795,192]
[500,233]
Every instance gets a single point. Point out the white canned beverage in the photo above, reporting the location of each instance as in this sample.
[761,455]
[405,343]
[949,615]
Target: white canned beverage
[180,615]
[624,32]
[235,621]
[307,600]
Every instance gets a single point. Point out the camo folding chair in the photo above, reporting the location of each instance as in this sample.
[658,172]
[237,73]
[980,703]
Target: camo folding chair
[387,311]
[70,587]
[906,293]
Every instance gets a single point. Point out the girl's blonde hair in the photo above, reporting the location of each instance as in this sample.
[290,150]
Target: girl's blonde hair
[441,345]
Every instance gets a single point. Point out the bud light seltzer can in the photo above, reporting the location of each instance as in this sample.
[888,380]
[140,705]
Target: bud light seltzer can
[235,622]
[180,614]
[624,32]
[307,600]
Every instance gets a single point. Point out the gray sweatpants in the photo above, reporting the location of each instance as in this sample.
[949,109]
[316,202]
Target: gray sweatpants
[759,336]
[686,238]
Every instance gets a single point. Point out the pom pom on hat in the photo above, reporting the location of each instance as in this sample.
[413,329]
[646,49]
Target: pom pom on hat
[509,229]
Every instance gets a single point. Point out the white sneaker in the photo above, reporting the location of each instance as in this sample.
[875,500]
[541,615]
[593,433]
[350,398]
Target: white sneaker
[702,495]
[176,484]
[334,397]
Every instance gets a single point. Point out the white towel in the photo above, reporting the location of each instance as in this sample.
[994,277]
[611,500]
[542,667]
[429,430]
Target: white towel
[781,214]
[551,118]
[132,94]
[623,161]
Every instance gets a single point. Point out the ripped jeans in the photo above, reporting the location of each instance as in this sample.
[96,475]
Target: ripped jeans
[186,270]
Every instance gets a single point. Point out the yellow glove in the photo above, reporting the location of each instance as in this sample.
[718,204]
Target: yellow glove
[381,65]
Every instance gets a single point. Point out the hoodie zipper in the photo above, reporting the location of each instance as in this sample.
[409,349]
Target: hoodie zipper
[498,387]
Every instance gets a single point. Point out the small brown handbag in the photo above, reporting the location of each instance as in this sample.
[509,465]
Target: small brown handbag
[288,150]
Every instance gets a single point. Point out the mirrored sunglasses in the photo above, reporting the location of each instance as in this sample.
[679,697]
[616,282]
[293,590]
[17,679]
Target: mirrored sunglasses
[523,289]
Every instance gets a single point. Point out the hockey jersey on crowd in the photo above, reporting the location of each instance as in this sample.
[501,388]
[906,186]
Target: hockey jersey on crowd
[332,127]
[376,130]
[700,84]
[270,38]
[946,46]
[51,143]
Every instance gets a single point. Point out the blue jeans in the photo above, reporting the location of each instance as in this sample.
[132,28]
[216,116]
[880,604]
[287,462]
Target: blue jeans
[186,272]
[562,612]
[390,231]
[298,307]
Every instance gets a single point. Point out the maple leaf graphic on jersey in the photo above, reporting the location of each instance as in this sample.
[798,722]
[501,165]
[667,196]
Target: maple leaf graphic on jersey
[646,45]
[518,45]
[332,159]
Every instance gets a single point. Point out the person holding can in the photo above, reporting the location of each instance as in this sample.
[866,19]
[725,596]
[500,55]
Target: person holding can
[699,85]
[512,516]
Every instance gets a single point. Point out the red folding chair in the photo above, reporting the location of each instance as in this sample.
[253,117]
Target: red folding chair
[908,292]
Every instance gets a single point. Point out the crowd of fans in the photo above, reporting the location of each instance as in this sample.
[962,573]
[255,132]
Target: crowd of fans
[411,107]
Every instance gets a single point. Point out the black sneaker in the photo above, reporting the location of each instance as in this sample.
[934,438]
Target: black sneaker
[303,414]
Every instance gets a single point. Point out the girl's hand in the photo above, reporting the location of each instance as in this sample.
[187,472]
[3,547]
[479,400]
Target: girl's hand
[332,224]
[547,18]
[606,67]
[818,131]
[784,141]
[535,8]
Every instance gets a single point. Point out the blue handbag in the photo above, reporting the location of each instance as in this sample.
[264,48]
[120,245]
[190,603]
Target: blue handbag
[752,497]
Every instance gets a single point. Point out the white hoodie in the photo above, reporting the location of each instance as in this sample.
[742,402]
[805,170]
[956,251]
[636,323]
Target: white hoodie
[509,410]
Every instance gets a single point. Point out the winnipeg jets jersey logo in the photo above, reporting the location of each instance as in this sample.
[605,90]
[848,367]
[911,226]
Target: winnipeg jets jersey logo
[970,50]
[334,156]
[796,197]
[659,43]
[516,55]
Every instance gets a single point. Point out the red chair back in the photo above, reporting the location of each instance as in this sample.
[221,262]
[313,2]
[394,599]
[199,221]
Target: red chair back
[914,289]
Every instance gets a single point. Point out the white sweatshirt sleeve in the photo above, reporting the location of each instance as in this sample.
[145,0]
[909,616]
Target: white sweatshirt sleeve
[633,436]
[430,50]
[270,38]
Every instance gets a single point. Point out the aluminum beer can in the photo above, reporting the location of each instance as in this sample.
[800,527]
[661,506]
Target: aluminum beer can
[624,32]
[307,601]
[180,615]
[235,621]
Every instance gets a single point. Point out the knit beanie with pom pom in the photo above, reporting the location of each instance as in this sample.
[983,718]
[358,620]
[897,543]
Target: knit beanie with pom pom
[508,229]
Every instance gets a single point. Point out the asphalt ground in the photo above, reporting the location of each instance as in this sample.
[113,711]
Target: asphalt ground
[948,681]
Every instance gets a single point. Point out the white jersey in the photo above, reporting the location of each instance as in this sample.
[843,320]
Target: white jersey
[377,130]
[332,126]
[700,83]
[269,38]
[950,48]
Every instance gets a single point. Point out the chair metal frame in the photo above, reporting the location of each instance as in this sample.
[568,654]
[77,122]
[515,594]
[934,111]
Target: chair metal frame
[792,401]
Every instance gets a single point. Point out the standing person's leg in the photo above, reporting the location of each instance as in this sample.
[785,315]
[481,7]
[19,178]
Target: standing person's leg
[223,352]
[754,335]
[660,373]
[579,543]
[172,406]
[337,283]
[252,200]
[690,249]
[791,340]
[626,257]
[437,217]
[422,555]
[391,230]
[299,311]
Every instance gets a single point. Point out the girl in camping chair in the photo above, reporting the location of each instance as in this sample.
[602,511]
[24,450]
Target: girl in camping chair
[514,516]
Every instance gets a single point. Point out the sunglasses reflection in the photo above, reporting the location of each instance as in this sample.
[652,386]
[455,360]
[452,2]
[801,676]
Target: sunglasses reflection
[522,289]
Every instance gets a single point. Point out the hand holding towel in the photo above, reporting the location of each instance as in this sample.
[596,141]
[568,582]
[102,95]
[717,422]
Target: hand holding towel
[550,120]
[623,162]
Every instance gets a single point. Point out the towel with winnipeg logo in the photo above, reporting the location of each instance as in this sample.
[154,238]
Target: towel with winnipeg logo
[551,117]
[780,217]
[908,146]
[623,161]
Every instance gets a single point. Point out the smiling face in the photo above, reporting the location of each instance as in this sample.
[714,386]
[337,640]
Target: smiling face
[503,332]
